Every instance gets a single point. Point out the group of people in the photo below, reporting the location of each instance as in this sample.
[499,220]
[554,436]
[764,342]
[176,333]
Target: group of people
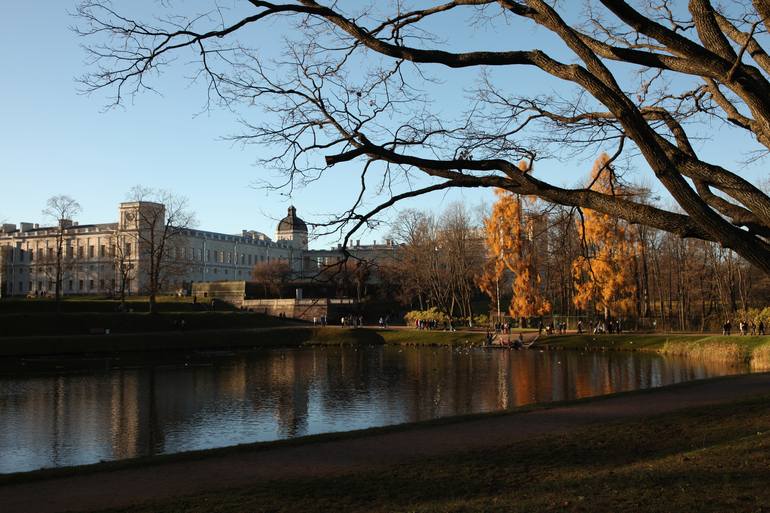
[384,321]
[426,324]
[319,320]
[744,327]
[560,328]
[516,344]
[503,327]
[602,327]
[352,321]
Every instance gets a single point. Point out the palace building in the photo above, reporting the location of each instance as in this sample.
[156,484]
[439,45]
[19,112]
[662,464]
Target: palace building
[103,259]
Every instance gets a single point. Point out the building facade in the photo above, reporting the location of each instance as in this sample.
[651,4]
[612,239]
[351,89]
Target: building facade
[103,259]
[113,258]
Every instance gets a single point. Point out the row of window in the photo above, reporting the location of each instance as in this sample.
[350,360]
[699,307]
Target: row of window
[222,257]
[70,252]
[69,285]
[194,254]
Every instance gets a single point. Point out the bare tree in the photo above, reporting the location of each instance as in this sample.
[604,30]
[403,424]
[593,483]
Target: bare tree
[438,261]
[353,86]
[273,276]
[62,209]
[156,227]
[123,261]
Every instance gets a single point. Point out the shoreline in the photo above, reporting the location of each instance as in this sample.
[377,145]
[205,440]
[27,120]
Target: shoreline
[203,454]
[128,482]
[749,349]
[221,339]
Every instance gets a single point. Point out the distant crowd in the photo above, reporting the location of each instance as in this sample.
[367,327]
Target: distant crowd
[744,328]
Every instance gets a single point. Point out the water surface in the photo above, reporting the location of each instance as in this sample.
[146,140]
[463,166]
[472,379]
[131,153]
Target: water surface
[211,400]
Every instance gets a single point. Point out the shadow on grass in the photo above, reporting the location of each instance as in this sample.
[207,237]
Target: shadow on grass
[709,459]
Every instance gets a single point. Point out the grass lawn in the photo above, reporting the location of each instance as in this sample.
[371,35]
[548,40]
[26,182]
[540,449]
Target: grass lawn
[411,337]
[428,337]
[754,350]
[713,459]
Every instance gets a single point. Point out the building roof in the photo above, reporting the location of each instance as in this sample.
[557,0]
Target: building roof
[292,223]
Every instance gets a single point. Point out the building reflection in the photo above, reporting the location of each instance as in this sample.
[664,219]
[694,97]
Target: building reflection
[214,401]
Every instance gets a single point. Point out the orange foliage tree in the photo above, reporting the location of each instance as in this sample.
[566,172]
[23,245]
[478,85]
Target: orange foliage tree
[508,232]
[603,273]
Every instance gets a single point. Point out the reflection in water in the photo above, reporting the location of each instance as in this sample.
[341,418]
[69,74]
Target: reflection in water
[75,419]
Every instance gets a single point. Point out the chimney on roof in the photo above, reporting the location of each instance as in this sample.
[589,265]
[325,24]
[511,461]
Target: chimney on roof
[25,227]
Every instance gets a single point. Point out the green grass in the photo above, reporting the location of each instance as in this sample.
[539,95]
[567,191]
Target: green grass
[81,323]
[339,336]
[72,304]
[711,459]
[147,343]
[214,331]
[431,338]
[735,348]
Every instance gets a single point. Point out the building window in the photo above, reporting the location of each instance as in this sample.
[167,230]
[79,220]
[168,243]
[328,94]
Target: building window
[69,285]
[80,284]
[91,253]
[229,258]
[102,251]
[69,251]
[39,285]
[127,249]
[90,284]
[80,251]
[31,255]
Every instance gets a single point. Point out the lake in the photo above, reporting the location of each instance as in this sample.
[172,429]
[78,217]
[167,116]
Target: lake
[123,409]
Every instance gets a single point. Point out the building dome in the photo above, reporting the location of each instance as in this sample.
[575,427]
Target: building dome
[292,223]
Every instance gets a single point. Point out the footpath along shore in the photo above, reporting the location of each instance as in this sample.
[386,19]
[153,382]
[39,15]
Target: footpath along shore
[100,487]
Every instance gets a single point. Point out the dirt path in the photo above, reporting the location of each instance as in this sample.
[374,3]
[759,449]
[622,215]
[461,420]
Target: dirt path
[133,485]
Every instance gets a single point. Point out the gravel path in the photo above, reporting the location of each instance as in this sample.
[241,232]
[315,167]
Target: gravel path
[128,486]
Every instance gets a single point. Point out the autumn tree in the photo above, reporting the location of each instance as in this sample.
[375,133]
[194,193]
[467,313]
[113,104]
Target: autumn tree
[603,274]
[509,235]
[60,209]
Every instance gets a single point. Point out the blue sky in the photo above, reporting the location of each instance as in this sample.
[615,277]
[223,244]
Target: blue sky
[57,141]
